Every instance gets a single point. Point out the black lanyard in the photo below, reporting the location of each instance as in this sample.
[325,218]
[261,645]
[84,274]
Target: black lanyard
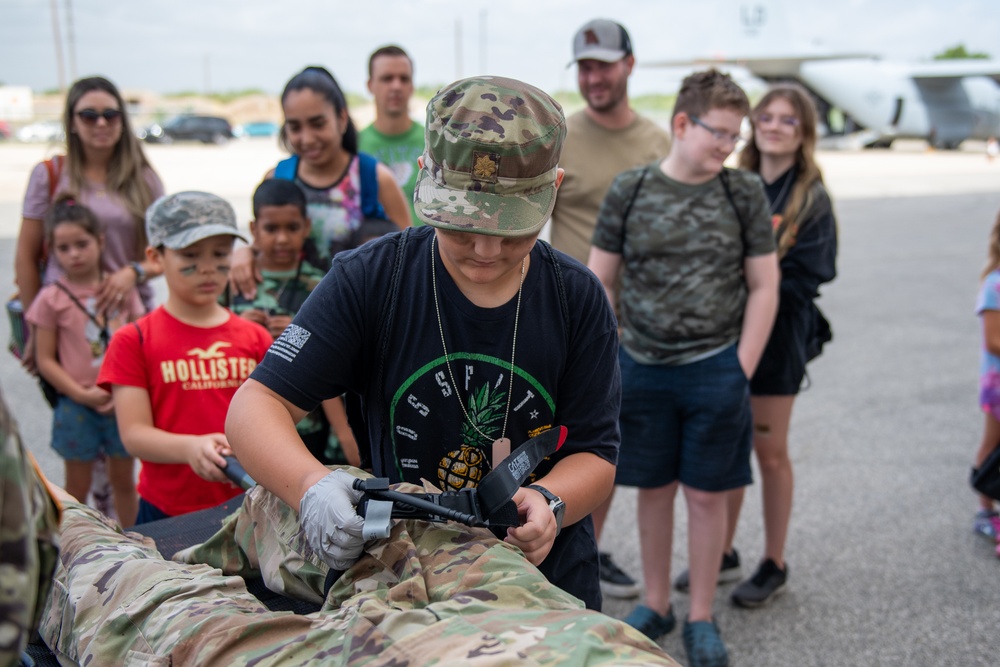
[105,334]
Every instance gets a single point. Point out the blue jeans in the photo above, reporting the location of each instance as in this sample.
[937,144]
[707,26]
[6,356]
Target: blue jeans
[80,433]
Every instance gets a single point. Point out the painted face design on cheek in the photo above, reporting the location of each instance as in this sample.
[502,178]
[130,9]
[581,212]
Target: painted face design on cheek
[193,269]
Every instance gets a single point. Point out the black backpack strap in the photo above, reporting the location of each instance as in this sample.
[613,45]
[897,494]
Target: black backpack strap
[724,178]
[557,270]
[631,203]
[383,334]
[138,331]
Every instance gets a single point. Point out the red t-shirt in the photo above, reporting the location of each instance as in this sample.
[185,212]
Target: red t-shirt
[191,375]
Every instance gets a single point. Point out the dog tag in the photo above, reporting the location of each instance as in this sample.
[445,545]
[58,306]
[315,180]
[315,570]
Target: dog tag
[501,450]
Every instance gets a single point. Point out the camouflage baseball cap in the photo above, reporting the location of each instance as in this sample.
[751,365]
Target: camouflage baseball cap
[601,39]
[490,159]
[182,219]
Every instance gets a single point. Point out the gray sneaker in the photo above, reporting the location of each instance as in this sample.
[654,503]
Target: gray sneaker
[728,571]
[765,585]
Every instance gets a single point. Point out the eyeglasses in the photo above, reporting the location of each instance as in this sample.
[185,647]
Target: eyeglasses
[90,116]
[719,135]
[787,121]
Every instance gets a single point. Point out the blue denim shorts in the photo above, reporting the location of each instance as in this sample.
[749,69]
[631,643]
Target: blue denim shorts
[80,433]
[689,423]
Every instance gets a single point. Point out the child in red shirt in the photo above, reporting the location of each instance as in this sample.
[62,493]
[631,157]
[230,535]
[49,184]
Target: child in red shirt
[175,371]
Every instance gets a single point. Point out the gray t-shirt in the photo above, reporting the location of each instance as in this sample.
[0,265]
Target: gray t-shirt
[683,248]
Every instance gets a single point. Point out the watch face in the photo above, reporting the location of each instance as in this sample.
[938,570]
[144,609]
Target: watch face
[559,509]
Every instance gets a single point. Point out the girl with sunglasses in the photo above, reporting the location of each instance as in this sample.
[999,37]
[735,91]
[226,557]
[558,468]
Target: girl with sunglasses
[782,152]
[105,169]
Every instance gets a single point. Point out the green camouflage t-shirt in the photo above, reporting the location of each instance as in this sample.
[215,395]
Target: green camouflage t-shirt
[683,248]
[283,293]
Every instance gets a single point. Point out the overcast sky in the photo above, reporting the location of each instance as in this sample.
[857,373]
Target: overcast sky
[175,45]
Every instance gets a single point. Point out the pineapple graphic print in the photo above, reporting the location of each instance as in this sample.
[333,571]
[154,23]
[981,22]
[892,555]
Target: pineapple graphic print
[434,440]
[465,467]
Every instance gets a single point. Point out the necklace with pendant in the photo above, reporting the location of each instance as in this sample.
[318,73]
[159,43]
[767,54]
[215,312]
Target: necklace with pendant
[501,445]
[291,281]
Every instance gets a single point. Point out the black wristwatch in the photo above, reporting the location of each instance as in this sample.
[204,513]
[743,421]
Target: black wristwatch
[556,504]
[140,272]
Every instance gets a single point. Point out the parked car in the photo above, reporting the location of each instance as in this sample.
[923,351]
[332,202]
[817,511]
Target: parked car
[4,129]
[261,128]
[207,129]
[43,130]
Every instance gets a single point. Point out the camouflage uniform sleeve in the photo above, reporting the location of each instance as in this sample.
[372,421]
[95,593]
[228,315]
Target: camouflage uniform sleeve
[28,542]
[609,235]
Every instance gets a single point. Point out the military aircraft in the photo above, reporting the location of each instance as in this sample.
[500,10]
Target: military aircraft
[861,97]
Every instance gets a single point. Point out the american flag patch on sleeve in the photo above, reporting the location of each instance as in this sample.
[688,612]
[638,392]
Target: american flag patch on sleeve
[290,342]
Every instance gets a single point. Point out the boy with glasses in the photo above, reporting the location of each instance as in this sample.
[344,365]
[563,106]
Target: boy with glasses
[699,291]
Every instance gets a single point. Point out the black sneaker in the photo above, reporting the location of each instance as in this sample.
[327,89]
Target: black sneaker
[766,584]
[614,582]
[728,571]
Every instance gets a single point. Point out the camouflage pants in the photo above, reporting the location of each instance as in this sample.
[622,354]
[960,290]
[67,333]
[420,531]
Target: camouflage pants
[430,594]
[28,542]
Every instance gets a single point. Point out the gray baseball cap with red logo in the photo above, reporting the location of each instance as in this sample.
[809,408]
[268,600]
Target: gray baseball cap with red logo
[601,39]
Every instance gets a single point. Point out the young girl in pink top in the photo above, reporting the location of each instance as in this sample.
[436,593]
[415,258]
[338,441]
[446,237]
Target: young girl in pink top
[987,521]
[72,334]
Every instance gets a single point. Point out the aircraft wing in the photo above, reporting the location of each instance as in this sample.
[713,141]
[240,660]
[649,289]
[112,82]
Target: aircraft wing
[955,69]
[765,67]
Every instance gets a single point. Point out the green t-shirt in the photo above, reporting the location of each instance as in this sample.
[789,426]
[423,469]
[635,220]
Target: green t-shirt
[399,152]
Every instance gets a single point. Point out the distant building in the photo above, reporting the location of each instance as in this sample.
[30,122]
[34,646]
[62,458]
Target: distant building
[16,103]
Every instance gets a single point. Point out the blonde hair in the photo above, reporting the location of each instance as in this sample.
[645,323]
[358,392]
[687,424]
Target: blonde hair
[993,255]
[126,171]
[805,157]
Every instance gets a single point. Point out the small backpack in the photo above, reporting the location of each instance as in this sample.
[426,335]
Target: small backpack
[370,206]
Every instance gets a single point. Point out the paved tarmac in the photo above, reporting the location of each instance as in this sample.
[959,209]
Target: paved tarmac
[884,569]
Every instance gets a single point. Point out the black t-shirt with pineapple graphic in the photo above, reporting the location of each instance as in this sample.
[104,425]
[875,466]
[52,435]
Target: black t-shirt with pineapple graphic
[565,370]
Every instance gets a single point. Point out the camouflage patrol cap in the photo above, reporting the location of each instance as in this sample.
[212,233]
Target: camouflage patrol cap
[182,219]
[490,159]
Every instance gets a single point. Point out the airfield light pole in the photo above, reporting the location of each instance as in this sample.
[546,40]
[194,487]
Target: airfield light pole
[70,40]
[458,48]
[60,70]
[483,40]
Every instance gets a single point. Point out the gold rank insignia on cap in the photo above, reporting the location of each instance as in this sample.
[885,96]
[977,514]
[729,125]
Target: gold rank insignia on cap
[485,166]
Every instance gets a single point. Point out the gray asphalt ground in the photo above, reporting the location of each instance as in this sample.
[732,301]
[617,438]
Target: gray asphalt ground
[884,569]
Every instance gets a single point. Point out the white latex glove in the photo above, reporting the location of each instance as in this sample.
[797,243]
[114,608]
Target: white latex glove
[330,521]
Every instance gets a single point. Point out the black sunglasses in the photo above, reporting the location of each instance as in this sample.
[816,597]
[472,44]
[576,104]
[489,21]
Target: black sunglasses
[89,116]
